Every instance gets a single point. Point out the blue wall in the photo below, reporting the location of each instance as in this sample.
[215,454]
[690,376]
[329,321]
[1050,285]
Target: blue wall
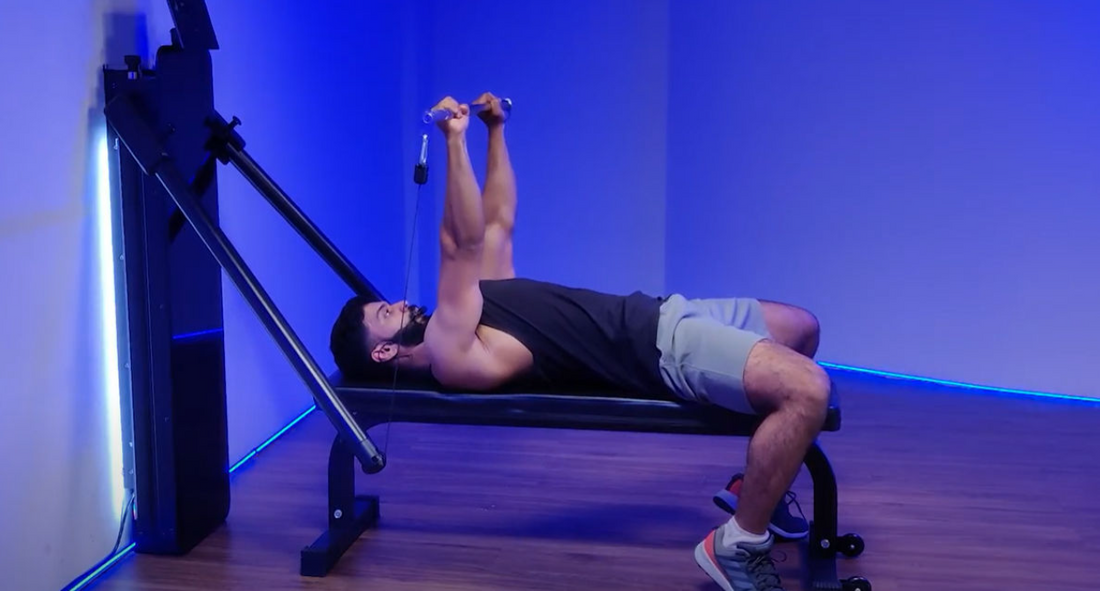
[319,94]
[922,176]
[587,138]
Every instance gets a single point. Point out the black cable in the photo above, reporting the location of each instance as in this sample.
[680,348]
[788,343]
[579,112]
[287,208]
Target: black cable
[122,525]
[420,176]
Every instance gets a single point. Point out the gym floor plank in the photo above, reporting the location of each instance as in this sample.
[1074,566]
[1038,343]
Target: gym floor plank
[950,489]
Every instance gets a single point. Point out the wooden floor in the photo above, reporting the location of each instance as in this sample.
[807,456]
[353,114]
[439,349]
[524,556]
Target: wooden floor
[950,489]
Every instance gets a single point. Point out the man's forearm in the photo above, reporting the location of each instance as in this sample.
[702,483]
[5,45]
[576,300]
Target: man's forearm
[500,182]
[463,216]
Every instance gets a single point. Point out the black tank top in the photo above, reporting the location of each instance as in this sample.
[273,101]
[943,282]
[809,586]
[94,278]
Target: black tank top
[580,339]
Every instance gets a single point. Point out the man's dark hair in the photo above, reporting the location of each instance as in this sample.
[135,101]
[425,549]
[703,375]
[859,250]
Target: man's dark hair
[350,344]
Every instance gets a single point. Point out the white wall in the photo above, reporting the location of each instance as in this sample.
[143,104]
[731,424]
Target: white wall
[61,497]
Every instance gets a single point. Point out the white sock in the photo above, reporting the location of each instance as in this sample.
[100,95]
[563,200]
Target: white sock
[732,533]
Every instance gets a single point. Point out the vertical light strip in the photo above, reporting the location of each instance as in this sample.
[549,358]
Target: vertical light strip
[109,324]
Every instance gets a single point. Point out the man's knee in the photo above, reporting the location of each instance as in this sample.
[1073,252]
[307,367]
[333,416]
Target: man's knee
[795,327]
[778,379]
[808,331]
[811,325]
[818,388]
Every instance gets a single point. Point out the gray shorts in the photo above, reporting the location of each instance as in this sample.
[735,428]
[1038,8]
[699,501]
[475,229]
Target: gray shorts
[705,345]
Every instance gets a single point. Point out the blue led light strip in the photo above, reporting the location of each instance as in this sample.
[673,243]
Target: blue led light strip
[93,574]
[271,439]
[192,335]
[990,389]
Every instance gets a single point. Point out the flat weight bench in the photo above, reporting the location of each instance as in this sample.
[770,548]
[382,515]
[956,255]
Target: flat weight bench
[350,515]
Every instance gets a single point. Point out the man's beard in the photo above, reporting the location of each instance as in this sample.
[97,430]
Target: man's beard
[412,334]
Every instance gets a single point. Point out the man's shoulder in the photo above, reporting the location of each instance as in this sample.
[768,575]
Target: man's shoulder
[466,370]
[491,360]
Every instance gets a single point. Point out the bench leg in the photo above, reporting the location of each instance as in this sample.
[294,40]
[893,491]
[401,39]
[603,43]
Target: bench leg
[824,543]
[821,559]
[348,515]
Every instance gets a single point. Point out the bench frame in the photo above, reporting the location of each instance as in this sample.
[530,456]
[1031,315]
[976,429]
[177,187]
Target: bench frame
[351,514]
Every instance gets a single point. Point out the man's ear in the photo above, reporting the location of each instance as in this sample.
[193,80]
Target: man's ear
[383,352]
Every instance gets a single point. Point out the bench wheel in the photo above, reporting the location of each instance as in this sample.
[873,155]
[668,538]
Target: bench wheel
[851,545]
[857,584]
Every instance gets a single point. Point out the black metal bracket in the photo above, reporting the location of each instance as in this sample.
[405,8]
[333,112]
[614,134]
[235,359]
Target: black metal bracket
[199,185]
[348,515]
[193,29]
[222,136]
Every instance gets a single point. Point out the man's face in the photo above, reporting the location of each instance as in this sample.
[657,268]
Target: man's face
[388,324]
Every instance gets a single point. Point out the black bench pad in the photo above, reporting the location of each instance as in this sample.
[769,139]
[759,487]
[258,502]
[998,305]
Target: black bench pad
[373,404]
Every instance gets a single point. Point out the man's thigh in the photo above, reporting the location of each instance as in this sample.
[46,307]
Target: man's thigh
[743,313]
[706,361]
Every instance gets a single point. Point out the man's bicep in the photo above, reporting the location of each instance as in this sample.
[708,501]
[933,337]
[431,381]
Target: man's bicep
[458,356]
[458,309]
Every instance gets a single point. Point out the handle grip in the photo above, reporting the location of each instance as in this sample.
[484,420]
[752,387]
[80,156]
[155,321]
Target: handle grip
[437,115]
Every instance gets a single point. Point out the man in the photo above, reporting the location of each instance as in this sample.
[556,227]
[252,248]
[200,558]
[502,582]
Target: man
[492,330]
